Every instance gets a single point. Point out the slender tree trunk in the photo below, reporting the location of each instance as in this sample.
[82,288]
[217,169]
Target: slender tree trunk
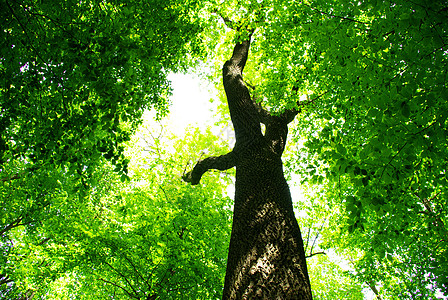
[266,257]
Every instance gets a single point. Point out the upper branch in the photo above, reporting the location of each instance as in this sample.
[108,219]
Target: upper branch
[239,55]
[265,116]
[221,163]
[289,114]
[244,115]
[229,23]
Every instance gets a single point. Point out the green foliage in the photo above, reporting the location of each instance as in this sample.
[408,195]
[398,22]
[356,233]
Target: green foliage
[374,126]
[76,78]
[78,75]
[153,236]
[376,133]
[329,281]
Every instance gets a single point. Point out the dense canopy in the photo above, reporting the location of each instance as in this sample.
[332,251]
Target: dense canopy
[89,213]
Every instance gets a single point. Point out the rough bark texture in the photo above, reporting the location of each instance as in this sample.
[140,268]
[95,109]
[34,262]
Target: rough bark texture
[266,258]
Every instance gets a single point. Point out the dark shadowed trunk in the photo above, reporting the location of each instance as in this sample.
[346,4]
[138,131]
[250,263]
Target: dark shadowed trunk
[266,258]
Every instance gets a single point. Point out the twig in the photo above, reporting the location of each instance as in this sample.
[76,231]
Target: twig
[333,16]
[125,279]
[315,253]
[119,286]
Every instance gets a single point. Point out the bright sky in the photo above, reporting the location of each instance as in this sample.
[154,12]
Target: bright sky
[191,106]
[190,102]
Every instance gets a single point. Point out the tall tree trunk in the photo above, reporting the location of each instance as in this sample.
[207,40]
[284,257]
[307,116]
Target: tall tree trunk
[266,257]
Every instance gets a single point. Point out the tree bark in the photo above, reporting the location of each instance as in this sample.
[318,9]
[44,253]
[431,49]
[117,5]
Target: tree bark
[266,258]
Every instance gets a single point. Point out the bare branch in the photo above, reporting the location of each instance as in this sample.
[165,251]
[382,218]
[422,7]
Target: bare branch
[44,241]
[431,213]
[317,235]
[125,279]
[229,23]
[372,286]
[123,254]
[12,177]
[334,16]
[119,286]
[4,279]
[308,237]
[315,253]
[14,224]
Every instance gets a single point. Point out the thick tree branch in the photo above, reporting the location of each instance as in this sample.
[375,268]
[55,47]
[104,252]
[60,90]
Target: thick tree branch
[289,114]
[239,56]
[229,23]
[240,26]
[265,115]
[286,116]
[243,111]
[221,163]
[4,279]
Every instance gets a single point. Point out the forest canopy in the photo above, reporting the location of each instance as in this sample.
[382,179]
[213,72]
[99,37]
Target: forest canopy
[92,202]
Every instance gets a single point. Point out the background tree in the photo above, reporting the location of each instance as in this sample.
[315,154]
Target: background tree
[380,140]
[76,78]
[74,72]
[154,237]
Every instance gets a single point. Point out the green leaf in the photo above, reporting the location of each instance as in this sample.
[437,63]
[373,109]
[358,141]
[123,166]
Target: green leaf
[405,109]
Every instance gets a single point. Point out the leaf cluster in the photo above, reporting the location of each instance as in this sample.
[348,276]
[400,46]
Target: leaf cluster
[376,143]
[76,76]
[151,236]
